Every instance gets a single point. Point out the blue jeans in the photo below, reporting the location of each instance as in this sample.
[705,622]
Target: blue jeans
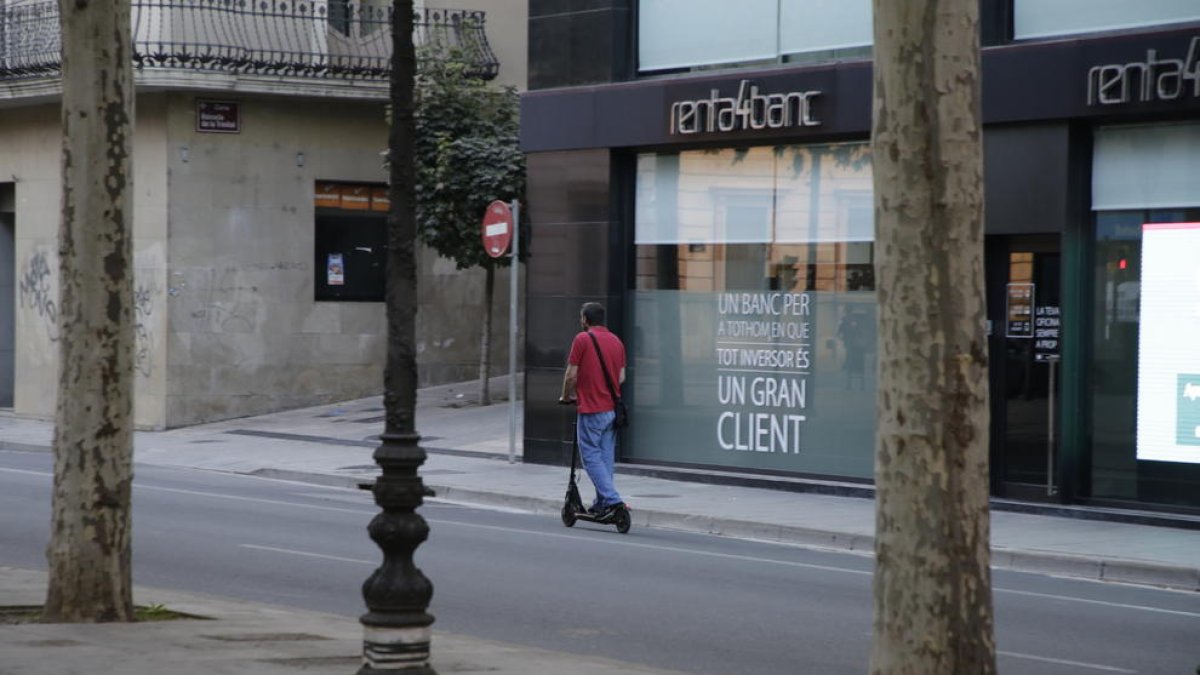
[597,447]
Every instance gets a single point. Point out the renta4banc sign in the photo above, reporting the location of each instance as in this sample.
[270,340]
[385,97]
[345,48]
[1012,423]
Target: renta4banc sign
[749,110]
[1157,78]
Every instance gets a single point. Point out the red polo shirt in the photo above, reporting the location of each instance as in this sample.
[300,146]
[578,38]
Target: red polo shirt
[590,388]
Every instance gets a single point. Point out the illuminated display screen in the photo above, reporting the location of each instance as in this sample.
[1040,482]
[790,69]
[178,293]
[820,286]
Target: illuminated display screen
[1168,398]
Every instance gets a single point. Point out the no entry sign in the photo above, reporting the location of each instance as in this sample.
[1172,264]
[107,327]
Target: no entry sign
[497,229]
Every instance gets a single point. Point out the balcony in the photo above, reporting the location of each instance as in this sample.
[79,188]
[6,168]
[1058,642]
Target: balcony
[327,41]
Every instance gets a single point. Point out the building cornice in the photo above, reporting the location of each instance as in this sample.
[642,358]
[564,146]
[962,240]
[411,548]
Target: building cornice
[49,89]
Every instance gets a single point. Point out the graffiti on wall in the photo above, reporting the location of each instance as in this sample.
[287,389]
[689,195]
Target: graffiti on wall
[37,292]
[228,319]
[227,300]
[37,289]
[143,309]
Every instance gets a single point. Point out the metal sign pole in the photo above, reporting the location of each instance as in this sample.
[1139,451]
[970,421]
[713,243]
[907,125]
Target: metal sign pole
[514,274]
[1052,362]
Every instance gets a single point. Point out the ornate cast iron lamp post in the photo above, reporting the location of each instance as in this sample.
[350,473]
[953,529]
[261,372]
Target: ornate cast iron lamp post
[397,628]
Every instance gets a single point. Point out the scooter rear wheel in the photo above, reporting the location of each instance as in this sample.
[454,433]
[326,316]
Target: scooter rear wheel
[568,515]
[623,520]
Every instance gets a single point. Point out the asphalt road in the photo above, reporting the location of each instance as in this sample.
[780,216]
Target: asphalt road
[694,603]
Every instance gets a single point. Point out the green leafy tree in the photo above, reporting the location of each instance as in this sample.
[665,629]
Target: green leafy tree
[467,155]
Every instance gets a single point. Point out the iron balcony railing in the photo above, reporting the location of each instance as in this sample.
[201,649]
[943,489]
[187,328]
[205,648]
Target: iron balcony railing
[334,39]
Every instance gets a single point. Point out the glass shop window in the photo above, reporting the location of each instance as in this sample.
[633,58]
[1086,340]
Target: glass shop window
[753,309]
[697,34]
[350,252]
[1144,367]
[1050,18]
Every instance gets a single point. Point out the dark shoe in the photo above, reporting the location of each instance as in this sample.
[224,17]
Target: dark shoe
[609,512]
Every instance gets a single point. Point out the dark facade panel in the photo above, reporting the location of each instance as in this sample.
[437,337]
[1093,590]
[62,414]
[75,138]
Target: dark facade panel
[541,8]
[558,120]
[552,323]
[1023,83]
[615,117]
[578,43]
[553,320]
[1026,169]
[549,51]
[585,245]
[541,451]
[995,22]
[545,417]
[568,187]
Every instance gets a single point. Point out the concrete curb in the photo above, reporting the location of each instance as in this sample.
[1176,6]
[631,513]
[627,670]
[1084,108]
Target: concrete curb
[330,480]
[1115,570]
[1039,562]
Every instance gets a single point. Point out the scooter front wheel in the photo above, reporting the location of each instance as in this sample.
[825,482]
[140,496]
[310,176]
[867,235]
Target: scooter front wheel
[568,515]
[623,520]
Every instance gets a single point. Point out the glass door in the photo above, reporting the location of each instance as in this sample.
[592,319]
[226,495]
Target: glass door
[1025,315]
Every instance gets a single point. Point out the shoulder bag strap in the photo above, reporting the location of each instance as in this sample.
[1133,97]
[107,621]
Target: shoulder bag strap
[604,369]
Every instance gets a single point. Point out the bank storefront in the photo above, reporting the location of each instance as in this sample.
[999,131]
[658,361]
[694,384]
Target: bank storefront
[726,218]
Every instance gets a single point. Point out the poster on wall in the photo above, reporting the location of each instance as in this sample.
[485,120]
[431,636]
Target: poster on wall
[764,358]
[761,380]
[1168,398]
[1019,311]
[1047,344]
[335,270]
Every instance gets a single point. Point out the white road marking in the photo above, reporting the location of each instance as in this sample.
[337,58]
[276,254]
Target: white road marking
[1119,605]
[306,554]
[478,507]
[1065,662]
[28,473]
[217,495]
[255,500]
[1047,659]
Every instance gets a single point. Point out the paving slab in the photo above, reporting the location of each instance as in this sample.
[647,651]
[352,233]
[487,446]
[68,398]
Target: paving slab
[241,638]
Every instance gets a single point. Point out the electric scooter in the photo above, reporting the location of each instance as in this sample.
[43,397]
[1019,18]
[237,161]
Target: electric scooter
[573,508]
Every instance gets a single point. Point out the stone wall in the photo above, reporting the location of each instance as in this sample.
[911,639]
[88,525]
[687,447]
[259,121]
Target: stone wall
[245,333]
[29,157]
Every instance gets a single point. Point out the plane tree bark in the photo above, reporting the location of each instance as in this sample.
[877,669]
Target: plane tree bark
[932,596]
[89,550]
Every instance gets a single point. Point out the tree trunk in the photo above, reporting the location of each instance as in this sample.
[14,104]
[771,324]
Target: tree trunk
[485,347]
[933,603]
[89,550]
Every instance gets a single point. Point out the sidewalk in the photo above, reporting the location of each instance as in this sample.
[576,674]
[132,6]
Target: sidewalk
[242,638]
[468,449]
